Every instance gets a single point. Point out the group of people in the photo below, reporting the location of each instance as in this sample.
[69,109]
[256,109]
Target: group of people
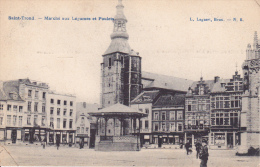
[202,151]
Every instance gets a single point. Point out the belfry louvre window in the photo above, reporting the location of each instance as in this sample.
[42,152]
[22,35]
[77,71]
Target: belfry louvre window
[109,62]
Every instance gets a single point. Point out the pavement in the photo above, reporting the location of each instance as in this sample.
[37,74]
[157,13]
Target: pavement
[70,156]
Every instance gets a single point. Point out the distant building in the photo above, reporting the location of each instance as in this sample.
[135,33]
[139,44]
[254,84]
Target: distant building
[168,120]
[31,113]
[225,99]
[61,118]
[23,111]
[85,124]
[250,123]
[197,110]
[163,99]
[144,103]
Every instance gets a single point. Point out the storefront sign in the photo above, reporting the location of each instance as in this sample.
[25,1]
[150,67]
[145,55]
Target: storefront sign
[146,137]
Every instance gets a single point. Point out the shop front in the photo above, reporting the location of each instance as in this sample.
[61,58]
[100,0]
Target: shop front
[224,140]
[34,135]
[193,137]
[82,140]
[13,135]
[170,140]
[62,136]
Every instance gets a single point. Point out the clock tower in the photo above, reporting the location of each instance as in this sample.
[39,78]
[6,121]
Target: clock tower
[121,66]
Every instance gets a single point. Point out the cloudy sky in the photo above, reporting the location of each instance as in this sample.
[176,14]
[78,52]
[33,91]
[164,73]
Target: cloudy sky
[67,53]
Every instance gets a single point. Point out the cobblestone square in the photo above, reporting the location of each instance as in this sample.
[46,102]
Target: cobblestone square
[65,156]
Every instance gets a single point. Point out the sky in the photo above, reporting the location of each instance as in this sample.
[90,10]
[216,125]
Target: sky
[67,54]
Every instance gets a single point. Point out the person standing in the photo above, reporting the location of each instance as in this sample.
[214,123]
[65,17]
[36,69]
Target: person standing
[187,146]
[58,142]
[198,145]
[204,154]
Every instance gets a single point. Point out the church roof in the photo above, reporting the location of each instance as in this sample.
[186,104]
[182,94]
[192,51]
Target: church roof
[170,100]
[145,97]
[118,45]
[166,82]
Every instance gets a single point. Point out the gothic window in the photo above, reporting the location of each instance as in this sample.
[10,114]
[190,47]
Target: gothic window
[109,62]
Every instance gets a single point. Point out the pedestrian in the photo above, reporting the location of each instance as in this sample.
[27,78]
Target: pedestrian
[187,146]
[198,145]
[58,142]
[44,143]
[204,154]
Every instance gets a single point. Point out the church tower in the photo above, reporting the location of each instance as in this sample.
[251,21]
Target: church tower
[121,66]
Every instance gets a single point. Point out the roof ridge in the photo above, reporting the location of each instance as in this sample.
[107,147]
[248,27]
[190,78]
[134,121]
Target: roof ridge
[167,76]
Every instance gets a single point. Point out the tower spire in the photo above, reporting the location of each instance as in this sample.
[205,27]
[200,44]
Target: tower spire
[255,40]
[236,69]
[119,36]
[120,22]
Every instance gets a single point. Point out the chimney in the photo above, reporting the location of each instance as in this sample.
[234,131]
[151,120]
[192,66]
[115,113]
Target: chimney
[216,79]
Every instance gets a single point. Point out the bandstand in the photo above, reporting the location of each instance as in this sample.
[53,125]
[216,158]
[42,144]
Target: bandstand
[117,128]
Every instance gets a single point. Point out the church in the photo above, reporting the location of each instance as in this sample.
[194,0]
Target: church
[181,110]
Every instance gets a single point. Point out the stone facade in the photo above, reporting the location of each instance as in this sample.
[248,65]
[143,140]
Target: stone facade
[28,113]
[250,111]
[121,67]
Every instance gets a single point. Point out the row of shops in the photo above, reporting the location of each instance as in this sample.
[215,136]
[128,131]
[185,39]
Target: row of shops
[29,135]
[216,139]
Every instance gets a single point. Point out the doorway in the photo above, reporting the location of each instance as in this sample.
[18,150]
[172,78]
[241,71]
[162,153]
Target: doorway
[230,140]
[14,136]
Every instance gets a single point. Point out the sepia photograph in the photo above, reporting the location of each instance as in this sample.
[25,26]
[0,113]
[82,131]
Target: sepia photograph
[130,83]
